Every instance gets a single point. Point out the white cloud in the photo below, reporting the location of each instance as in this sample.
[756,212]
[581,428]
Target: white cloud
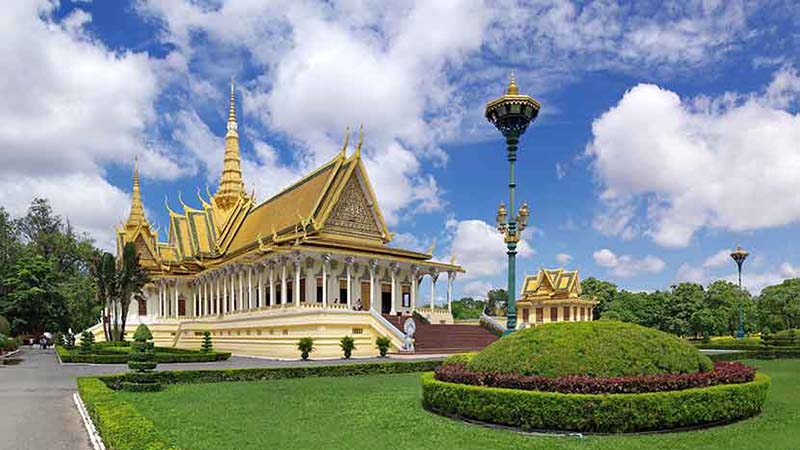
[720,259]
[563,259]
[480,249]
[70,106]
[625,266]
[88,201]
[693,162]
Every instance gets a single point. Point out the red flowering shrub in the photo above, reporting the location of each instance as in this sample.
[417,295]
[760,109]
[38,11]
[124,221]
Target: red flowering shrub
[724,372]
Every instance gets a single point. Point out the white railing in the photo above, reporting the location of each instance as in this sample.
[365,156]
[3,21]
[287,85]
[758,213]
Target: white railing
[388,325]
[493,323]
[268,309]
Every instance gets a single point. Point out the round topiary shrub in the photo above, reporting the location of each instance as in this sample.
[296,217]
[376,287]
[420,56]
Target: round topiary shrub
[596,349]
[603,376]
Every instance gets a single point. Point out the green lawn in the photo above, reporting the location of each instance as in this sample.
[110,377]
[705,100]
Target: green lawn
[384,412]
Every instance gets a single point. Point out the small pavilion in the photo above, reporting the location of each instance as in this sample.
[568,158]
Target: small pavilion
[553,295]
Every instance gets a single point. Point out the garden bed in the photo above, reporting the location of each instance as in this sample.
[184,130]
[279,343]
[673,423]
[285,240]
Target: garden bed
[119,355]
[382,412]
[603,413]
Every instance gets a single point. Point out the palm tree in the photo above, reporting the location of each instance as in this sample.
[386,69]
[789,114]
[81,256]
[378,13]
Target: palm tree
[131,278]
[104,275]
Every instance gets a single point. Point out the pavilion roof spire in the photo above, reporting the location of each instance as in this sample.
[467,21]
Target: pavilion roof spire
[231,185]
[136,216]
[512,86]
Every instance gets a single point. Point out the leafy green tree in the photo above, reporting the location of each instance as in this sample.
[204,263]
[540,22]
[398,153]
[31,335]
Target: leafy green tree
[468,308]
[34,304]
[496,300]
[10,249]
[779,305]
[604,292]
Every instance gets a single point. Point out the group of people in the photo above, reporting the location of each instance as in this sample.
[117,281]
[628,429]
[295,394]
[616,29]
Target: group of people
[41,341]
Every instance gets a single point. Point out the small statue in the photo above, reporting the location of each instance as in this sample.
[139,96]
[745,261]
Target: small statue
[409,327]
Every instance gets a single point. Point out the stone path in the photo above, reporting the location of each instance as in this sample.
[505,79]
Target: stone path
[36,407]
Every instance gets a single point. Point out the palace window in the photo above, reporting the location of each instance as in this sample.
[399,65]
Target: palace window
[566,313]
[319,289]
[539,315]
[406,289]
[553,314]
[142,307]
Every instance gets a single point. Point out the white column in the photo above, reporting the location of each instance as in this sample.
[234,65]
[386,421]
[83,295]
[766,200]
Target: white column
[393,268]
[434,276]
[451,276]
[225,295]
[249,287]
[349,262]
[414,272]
[160,308]
[240,300]
[373,265]
[175,311]
[283,282]
[325,262]
[271,284]
[297,281]
[260,286]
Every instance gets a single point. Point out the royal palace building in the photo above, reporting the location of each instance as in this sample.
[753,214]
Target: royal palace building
[313,260]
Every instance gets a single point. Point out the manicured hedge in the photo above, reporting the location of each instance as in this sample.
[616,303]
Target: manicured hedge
[107,356]
[602,413]
[597,349]
[121,426]
[277,373]
[729,343]
[723,373]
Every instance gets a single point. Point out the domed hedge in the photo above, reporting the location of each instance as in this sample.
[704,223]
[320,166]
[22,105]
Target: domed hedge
[598,349]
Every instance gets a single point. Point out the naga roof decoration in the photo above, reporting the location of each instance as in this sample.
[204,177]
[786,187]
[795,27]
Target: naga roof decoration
[334,207]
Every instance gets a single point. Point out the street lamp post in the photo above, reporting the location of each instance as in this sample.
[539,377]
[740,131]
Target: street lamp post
[739,255]
[511,114]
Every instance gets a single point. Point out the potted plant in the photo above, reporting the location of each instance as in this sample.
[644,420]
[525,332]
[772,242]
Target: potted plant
[382,344]
[306,346]
[348,344]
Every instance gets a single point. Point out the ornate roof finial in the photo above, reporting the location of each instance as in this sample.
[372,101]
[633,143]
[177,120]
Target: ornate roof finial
[360,140]
[232,126]
[136,217]
[346,140]
[231,186]
[512,85]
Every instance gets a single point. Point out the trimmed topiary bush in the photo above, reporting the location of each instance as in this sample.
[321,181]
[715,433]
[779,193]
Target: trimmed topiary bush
[595,349]
[142,362]
[87,342]
[382,344]
[306,346]
[348,344]
[206,346]
[606,413]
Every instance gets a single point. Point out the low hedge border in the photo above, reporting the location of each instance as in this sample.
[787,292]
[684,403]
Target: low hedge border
[110,357]
[596,413]
[276,373]
[121,426]
[725,372]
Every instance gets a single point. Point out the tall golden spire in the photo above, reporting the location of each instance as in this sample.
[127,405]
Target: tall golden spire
[512,86]
[231,185]
[136,217]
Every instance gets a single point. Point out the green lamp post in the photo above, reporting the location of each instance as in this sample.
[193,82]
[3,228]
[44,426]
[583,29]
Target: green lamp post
[511,114]
[738,256]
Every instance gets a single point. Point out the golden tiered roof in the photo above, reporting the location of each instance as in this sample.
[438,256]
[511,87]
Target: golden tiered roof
[551,284]
[333,208]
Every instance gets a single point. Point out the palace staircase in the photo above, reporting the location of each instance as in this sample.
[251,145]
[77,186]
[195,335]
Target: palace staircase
[440,338]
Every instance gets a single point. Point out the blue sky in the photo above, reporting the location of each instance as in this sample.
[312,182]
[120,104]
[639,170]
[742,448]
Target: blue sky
[669,131]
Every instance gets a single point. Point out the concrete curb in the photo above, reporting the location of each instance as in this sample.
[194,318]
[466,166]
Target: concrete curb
[94,436]
[11,354]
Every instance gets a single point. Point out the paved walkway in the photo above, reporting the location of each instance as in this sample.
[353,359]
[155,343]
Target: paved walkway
[36,407]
